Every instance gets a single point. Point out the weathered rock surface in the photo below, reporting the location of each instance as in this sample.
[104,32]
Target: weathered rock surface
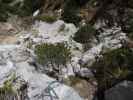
[15,58]
[38,84]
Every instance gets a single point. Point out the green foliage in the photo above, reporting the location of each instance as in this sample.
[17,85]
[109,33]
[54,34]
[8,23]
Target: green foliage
[52,54]
[46,18]
[7,91]
[84,34]
[7,87]
[115,65]
[70,12]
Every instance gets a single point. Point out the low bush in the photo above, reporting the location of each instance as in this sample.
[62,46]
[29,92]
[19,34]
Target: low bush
[84,34]
[7,92]
[55,55]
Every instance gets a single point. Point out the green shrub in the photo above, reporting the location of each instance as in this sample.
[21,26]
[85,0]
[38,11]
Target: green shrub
[84,34]
[115,66]
[52,54]
[7,91]
[70,12]
[46,18]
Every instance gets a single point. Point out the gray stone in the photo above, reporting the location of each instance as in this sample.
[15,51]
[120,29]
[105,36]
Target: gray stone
[122,91]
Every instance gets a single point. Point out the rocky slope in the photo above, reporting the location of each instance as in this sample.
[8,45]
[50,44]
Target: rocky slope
[89,73]
[16,58]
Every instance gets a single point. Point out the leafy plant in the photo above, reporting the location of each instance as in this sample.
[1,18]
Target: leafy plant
[52,54]
[84,34]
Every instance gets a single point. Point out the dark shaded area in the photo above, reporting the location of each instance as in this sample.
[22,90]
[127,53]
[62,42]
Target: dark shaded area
[112,69]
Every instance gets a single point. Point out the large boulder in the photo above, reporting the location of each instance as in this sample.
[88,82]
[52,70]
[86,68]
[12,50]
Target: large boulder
[122,91]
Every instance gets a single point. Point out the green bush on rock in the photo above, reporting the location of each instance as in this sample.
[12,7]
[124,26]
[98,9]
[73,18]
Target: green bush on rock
[7,91]
[84,34]
[52,54]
